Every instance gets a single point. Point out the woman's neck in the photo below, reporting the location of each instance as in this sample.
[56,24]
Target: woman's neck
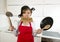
[25,23]
[26,19]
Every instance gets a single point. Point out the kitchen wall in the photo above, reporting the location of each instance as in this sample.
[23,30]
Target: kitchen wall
[43,8]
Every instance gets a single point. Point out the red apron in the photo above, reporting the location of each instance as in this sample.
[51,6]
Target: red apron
[25,33]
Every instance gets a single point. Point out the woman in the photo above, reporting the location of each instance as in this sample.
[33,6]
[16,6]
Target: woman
[25,28]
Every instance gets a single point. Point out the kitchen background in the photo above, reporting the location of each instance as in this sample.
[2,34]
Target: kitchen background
[43,8]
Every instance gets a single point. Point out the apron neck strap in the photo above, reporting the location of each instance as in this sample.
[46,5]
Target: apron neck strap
[30,24]
[21,23]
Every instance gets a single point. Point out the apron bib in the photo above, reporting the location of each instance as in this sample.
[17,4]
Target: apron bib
[25,33]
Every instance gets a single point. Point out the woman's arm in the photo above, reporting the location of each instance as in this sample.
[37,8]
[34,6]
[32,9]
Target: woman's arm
[16,34]
[16,30]
[35,30]
[39,31]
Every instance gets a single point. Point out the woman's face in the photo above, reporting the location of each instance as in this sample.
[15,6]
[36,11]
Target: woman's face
[27,14]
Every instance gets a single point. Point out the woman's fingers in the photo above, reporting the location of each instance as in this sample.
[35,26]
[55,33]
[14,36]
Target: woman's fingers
[39,31]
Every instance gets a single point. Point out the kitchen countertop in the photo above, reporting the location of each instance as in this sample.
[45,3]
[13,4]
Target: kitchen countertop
[50,34]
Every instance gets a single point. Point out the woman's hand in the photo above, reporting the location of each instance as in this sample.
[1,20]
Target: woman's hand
[11,28]
[39,31]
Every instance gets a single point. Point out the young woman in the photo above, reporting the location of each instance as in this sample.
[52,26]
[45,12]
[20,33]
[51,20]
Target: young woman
[25,28]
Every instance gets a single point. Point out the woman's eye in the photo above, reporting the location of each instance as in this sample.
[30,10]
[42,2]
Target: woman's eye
[28,13]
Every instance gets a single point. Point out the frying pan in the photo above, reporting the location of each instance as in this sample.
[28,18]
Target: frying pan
[47,21]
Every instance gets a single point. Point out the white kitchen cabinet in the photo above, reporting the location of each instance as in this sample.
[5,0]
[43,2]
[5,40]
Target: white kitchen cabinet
[7,37]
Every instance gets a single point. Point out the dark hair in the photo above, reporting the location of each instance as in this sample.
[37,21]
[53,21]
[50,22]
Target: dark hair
[24,8]
[46,21]
[9,14]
